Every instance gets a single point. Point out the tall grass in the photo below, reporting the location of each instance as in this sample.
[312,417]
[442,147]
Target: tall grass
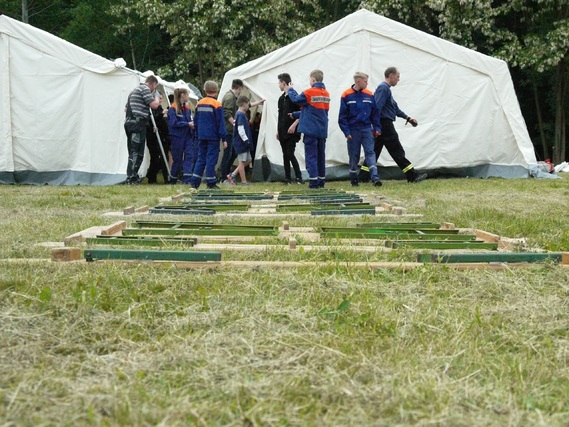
[137,344]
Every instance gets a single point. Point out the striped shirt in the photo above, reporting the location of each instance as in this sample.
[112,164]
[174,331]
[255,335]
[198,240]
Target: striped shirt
[140,99]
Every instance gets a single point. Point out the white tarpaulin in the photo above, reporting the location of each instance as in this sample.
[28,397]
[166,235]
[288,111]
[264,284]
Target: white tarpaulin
[61,110]
[470,123]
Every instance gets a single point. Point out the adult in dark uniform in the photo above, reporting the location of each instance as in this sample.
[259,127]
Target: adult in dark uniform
[388,111]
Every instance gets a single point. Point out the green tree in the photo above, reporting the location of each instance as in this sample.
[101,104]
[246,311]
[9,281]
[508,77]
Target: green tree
[532,36]
[210,37]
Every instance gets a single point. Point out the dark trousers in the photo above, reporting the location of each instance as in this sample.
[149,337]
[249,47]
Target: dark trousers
[157,160]
[289,146]
[315,159]
[229,156]
[136,142]
[390,140]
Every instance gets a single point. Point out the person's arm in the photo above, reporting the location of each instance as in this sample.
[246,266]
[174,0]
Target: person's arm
[375,120]
[292,127]
[259,102]
[228,104]
[343,117]
[297,98]
[219,116]
[381,94]
[175,120]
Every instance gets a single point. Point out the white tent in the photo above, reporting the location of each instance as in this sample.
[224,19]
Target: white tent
[61,110]
[470,123]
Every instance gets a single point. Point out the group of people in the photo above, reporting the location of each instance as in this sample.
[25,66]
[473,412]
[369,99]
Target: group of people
[192,144]
[366,119]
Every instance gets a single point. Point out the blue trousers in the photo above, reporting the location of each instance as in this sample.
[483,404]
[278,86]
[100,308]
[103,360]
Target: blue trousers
[208,153]
[362,138]
[315,159]
[184,156]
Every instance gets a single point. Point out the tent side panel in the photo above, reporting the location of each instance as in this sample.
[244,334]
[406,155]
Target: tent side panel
[6,154]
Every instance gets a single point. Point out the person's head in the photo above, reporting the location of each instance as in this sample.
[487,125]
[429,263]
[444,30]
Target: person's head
[151,82]
[243,103]
[392,76]
[316,76]
[284,81]
[210,87]
[360,80]
[181,97]
[237,86]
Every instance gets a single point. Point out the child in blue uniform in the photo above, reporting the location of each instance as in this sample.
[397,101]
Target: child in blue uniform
[210,129]
[242,140]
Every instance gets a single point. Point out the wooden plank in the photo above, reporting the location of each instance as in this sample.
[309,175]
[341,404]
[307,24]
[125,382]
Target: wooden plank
[134,254]
[114,228]
[399,225]
[198,232]
[427,244]
[192,225]
[395,236]
[141,240]
[65,254]
[343,212]
[182,211]
[389,230]
[500,257]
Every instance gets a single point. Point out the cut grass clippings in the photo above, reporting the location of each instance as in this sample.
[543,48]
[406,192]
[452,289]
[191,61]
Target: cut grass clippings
[137,344]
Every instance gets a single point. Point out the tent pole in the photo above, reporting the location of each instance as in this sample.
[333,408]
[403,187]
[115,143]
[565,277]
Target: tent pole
[160,143]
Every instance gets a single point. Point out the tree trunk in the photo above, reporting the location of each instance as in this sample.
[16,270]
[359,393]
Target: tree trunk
[25,15]
[540,120]
[559,150]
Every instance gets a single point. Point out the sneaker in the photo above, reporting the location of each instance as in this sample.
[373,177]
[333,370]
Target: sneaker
[420,177]
[212,187]
[377,183]
[299,181]
[246,183]
[355,183]
[230,179]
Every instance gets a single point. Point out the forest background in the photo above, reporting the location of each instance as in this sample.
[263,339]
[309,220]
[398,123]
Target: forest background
[197,40]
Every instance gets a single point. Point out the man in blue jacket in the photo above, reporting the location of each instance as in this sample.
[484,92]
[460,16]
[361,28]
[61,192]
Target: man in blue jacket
[359,120]
[315,103]
[388,111]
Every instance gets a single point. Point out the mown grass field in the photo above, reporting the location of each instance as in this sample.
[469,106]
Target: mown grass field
[138,344]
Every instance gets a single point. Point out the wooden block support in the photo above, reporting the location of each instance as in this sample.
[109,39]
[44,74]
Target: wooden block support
[142,209]
[386,206]
[286,226]
[565,258]
[177,196]
[292,243]
[129,210]
[447,226]
[398,210]
[113,229]
[65,254]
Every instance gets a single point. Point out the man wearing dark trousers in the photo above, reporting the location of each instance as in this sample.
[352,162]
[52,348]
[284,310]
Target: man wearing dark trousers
[286,130]
[137,116]
[388,111]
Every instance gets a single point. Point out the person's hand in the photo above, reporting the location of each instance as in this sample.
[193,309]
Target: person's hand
[376,133]
[412,121]
[292,128]
[349,137]
[277,135]
[224,144]
[191,125]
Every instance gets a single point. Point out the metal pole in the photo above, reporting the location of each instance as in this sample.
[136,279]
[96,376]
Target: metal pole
[160,143]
